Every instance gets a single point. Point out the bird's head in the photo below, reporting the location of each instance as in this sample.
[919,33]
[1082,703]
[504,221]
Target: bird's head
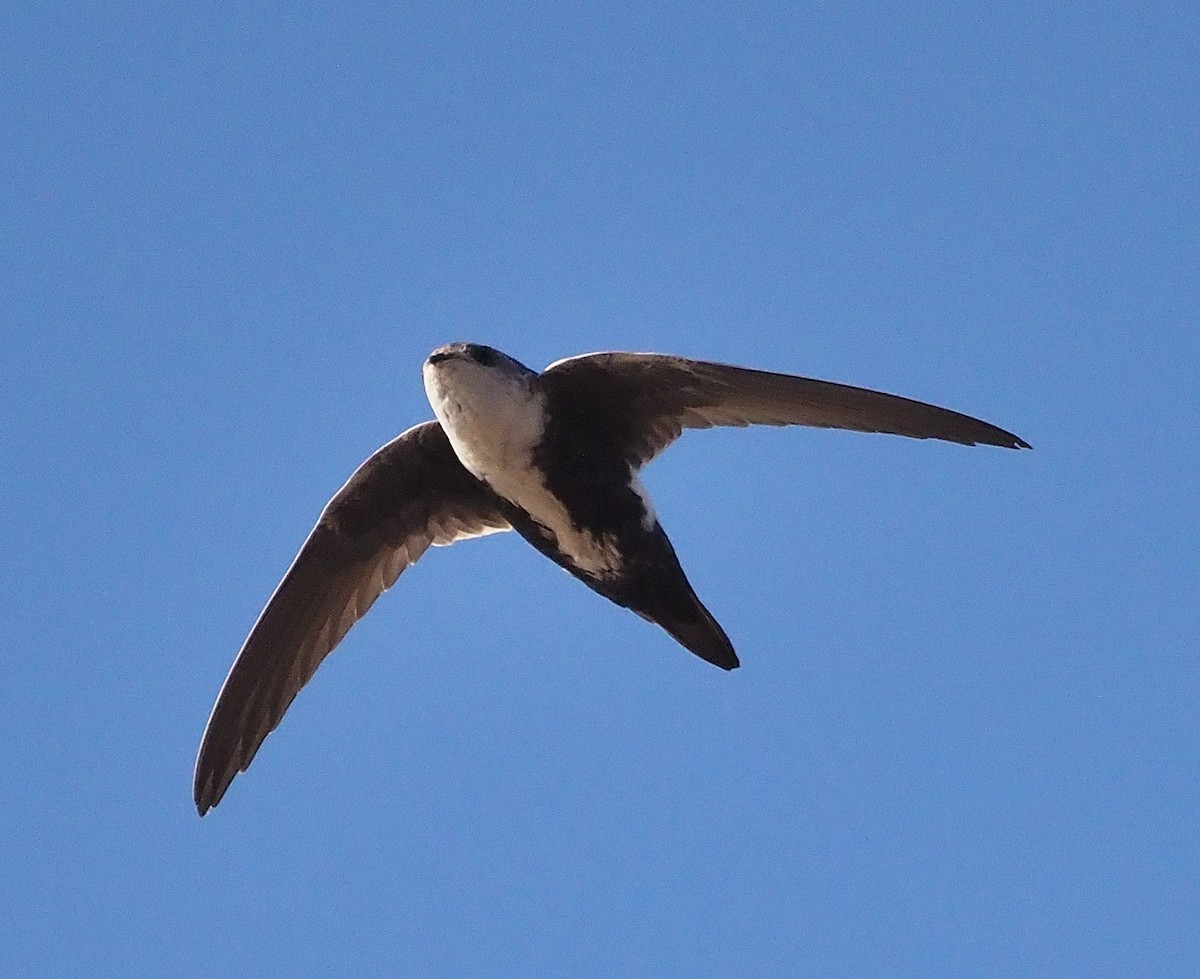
[470,384]
[473,353]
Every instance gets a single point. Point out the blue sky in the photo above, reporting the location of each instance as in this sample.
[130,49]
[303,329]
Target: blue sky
[964,739]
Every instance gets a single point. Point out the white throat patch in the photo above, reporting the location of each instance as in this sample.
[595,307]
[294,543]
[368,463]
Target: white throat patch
[494,419]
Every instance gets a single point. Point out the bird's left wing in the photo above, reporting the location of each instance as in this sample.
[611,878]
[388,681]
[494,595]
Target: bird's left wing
[640,403]
[410,494]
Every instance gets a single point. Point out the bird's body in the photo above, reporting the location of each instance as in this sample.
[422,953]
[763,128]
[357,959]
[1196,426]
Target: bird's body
[496,421]
[568,493]
[555,457]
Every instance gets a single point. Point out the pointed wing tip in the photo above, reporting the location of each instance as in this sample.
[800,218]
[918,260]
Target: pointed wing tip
[210,796]
[205,795]
[985,433]
[209,785]
[1011,441]
[203,801]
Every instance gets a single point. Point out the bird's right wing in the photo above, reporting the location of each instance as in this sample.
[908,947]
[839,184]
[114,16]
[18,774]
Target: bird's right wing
[410,494]
[642,402]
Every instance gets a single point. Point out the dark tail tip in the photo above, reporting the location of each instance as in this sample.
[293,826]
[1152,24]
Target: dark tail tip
[697,630]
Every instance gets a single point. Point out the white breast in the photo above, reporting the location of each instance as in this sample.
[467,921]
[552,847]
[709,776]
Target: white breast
[495,419]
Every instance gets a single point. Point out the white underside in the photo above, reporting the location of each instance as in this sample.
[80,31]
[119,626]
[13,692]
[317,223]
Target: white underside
[494,421]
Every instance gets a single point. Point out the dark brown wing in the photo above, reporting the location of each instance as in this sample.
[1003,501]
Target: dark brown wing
[410,494]
[642,402]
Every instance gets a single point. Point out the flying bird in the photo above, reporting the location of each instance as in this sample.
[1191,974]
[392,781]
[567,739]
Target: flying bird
[554,456]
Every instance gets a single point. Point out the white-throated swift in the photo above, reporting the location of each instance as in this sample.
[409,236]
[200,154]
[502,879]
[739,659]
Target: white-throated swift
[554,456]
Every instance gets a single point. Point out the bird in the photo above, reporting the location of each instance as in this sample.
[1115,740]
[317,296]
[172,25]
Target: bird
[553,456]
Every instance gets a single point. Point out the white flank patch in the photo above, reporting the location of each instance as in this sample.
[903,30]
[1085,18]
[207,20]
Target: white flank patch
[494,418]
[650,517]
